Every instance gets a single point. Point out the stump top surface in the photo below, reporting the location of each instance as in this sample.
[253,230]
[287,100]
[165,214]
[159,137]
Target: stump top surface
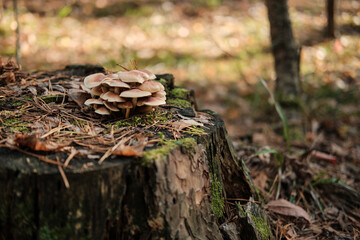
[33,104]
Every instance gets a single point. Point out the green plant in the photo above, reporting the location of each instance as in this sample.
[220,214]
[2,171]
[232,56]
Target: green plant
[281,115]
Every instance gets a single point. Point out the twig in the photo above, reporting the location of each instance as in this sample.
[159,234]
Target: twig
[42,158]
[57,129]
[62,173]
[111,150]
[71,156]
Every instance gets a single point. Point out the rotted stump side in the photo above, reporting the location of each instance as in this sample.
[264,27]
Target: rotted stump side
[176,195]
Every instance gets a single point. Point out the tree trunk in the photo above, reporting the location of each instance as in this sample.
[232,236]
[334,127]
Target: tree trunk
[180,194]
[285,50]
[330,13]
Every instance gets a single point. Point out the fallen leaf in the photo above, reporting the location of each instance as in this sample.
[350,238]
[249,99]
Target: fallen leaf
[136,149]
[128,151]
[184,123]
[34,143]
[284,207]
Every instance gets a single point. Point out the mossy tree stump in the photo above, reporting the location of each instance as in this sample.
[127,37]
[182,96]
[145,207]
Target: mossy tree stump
[173,192]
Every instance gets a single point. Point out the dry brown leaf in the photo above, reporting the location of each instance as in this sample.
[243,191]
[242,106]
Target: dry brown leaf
[135,150]
[184,123]
[34,143]
[129,151]
[284,207]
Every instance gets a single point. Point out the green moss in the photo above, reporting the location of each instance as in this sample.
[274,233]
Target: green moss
[15,125]
[187,143]
[79,123]
[180,92]
[142,120]
[196,130]
[51,98]
[163,82]
[178,102]
[16,104]
[262,227]
[242,212]
[217,197]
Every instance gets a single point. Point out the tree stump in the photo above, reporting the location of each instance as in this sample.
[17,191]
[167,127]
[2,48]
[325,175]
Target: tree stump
[179,193]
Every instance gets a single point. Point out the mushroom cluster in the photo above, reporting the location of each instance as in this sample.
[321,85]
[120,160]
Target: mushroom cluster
[124,91]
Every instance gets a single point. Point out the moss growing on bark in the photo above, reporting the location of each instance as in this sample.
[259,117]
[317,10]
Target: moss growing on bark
[178,102]
[180,92]
[261,226]
[187,143]
[217,197]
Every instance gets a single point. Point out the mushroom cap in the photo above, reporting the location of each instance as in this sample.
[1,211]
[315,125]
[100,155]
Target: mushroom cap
[134,93]
[131,77]
[160,94]
[96,91]
[111,106]
[154,101]
[151,86]
[115,83]
[102,111]
[146,74]
[114,76]
[111,97]
[93,80]
[125,105]
[93,101]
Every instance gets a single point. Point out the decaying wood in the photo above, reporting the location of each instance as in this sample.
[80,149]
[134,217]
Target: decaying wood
[170,196]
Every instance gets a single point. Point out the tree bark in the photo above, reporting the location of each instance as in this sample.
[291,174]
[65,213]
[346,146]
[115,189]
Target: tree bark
[179,195]
[285,50]
[330,13]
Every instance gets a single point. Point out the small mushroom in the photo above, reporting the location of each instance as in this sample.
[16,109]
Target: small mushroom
[96,91]
[146,74]
[112,97]
[154,101]
[115,84]
[131,77]
[146,104]
[95,103]
[151,86]
[102,111]
[111,106]
[127,106]
[93,80]
[160,94]
[134,94]
[113,76]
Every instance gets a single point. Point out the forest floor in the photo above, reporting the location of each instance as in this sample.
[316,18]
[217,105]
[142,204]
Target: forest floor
[221,51]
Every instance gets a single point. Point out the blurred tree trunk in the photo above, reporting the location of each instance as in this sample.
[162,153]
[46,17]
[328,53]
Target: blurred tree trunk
[285,50]
[330,12]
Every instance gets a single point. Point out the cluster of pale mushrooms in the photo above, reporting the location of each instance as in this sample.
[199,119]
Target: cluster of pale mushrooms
[124,92]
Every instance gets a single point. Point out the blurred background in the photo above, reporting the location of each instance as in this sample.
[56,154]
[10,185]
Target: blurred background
[219,48]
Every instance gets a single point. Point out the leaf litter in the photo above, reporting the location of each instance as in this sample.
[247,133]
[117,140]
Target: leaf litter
[43,113]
